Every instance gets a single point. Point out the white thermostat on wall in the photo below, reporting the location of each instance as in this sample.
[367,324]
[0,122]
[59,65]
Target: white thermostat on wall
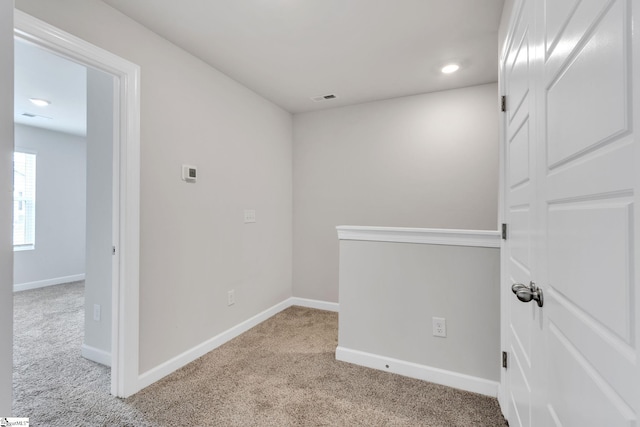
[189,173]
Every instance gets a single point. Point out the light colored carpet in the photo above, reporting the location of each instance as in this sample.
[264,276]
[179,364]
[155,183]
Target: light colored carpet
[281,373]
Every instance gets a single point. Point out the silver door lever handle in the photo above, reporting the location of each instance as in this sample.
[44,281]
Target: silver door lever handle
[527,293]
[518,287]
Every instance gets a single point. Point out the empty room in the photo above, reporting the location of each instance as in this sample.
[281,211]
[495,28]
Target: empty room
[409,212]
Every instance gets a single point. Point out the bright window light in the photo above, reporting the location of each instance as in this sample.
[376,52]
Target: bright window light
[24,200]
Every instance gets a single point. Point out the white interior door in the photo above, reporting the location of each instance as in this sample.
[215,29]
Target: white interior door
[523,333]
[573,214]
[587,192]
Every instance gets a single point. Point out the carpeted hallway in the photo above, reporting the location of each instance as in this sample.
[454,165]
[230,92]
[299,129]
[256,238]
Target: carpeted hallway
[281,373]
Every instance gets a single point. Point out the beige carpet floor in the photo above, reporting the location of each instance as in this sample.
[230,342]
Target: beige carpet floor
[281,373]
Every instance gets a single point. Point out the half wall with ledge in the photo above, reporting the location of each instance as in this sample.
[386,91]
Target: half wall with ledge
[395,281]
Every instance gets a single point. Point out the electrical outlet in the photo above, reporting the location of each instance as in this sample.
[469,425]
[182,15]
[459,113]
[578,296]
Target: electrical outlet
[249,216]
[231,297]
[439,327]
[96,312]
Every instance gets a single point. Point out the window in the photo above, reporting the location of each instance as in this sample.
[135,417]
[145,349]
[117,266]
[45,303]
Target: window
[24,200]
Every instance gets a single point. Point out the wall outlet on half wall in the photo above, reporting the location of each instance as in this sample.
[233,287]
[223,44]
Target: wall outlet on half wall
[439,327]
[249,216]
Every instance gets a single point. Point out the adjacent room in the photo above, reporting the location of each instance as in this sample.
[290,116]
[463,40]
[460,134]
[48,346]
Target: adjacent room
[62,221]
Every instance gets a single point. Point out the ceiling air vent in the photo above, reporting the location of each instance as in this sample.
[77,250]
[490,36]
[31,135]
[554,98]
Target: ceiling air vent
[31,115]
[322,98]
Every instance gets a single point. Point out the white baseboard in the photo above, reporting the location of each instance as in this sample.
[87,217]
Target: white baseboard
[396,366]
[155,374]
[312,303]
[47,282]
[421,372]
[172,365]
[96,355]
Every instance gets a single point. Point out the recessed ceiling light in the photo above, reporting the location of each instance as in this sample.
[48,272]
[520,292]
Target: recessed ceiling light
[39,102]
[450,68]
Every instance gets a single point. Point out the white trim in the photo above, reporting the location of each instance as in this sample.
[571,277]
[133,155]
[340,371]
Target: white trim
[417,371]
[125,286]
[505,288]
[312,303]
[200,350]
[400,367]
[166,368]
[48,282]
[96,355]
[429,236]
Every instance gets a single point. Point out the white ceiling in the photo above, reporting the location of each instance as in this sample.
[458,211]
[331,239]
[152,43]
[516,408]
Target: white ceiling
[42,74]
[290,51]
[361,50]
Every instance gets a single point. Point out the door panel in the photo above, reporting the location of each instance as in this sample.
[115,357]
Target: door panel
[519,156]
[590,337]
[587,102]
[518,64]
[589,245]
[567,26]
[518,386]
[557,13]
[520,244]
[587,399]
[586,200]
[591,173]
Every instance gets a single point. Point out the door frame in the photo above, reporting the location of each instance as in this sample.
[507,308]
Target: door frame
[505,287]
[126,189]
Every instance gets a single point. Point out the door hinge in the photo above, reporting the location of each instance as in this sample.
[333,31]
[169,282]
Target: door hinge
[503,103]
[504,231]
[114,250]
[504,360]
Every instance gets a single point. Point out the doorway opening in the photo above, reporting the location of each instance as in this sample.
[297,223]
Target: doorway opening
[63,118]
[124,147]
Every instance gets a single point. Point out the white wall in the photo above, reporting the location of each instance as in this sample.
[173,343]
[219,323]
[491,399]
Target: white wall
[194,244]
[420,161]
[99,238]
[6,203]
[59,254]
[389,293]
